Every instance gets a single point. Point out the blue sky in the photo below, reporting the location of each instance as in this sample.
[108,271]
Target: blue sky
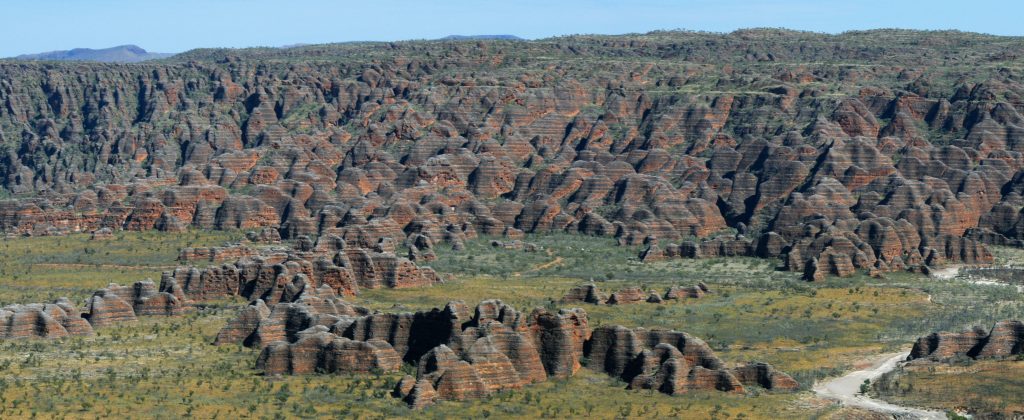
[28,26]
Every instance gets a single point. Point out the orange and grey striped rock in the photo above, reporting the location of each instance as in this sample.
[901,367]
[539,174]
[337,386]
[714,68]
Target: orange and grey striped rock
[586,293]
[764,376]
[108,307]
[628,296]
[674,362]
[1004,340]
[317,350]
[55,320]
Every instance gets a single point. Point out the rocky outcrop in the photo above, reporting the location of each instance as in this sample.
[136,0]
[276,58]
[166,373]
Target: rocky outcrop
[463,354]
[765,376]
[828,168]
[559,337]
[1004,340]
[258,325]
[613,348]
[217,254]
[55,320]
[117,303]
[628,296]
[107,307]
[690,292]
[585,293]
[673,362]
[269,273]
[317,350]
[111,305]
[102,234]
[589,293]
[242,328]
[498,349]
[459,354]
[559,342]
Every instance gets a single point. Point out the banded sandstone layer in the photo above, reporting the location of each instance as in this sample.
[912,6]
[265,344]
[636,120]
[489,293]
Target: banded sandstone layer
[1004,340]
[308,273]
[461,354]
[879,150]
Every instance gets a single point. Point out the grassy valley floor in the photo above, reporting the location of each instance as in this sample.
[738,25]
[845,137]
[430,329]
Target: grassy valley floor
[990,388]
[167,368]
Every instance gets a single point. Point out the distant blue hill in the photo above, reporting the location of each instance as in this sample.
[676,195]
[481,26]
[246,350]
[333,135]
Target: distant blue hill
[119,54]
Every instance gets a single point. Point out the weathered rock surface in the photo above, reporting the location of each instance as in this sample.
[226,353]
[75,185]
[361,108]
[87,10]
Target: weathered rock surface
[559,337]
[674,362]
[1004,340]
[272,274]
[317,350]
[691,292]
[496,348]
[628,296]
[586,293]
[764,376]
[217,254]
[117,303]
[258,325]
[54,320]
[831,168]
[463,354]
[107,306]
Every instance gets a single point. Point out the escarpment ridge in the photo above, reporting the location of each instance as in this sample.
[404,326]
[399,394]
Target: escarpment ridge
[875,151]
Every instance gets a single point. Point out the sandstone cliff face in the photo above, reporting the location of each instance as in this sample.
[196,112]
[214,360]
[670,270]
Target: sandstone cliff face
[1004,340]
[56,320]
[462,353]
[215,254]
[258,325]
[117,303]
[833,169]
[279,274]
[628,296]
[303,293]
[107,306]
[317,350]
[589,293]
[674,362]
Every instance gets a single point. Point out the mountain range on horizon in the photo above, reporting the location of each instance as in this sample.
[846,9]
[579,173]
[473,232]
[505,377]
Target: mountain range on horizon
[131,53]
[119,54]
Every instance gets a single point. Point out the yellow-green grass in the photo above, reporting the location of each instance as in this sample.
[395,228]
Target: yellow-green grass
[823,328]
[166,367]
[989,387]
[44,268]
[1005,255]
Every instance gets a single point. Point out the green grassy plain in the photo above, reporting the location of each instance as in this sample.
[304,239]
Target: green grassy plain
[38,269]
[167,368]
[989,388]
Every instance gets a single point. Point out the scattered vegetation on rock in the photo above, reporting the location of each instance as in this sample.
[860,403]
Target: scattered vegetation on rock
[878,151]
